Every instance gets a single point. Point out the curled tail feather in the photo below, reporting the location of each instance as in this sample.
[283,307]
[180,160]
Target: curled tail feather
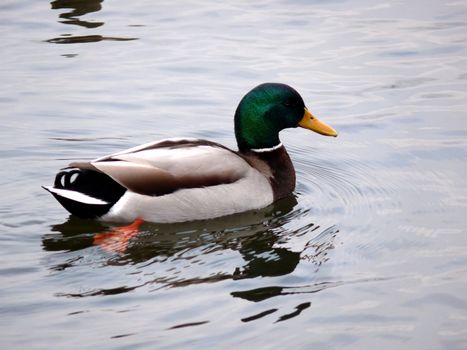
[85,193]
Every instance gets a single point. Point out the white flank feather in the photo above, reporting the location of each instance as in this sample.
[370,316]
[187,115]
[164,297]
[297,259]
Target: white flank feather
[251,192]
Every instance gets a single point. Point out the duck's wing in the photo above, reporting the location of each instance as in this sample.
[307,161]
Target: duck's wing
[166,166]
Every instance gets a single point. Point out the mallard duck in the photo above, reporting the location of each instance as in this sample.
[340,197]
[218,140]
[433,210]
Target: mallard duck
[184,179]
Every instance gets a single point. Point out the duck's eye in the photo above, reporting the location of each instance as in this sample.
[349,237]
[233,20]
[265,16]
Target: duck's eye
[307,112]
[289,103]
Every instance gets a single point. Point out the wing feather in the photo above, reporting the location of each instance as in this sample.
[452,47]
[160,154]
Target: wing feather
[139,178]
[170,165]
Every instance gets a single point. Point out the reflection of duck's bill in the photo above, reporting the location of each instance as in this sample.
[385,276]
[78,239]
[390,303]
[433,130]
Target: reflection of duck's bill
[86,39]
[117,241]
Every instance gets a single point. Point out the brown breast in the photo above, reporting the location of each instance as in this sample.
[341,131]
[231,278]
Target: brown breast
[276,166]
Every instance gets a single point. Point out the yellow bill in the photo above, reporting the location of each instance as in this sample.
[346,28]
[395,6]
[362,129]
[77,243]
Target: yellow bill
[309,121]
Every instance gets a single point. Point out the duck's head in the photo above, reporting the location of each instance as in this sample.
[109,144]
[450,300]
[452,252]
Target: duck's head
[266,110]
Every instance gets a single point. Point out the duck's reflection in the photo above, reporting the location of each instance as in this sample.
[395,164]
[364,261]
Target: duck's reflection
[78,8]
[255,235]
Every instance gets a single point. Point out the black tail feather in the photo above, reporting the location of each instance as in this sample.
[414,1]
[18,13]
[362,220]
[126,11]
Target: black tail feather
[91,183]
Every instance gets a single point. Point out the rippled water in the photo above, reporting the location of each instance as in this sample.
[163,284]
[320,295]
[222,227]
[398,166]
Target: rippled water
[371,251]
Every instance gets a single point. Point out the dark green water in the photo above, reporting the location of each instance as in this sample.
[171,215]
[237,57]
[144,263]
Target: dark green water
[370,252]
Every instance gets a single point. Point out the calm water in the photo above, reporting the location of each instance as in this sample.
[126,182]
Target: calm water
[370,252]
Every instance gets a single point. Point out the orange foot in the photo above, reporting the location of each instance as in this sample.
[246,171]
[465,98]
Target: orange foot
[117,241]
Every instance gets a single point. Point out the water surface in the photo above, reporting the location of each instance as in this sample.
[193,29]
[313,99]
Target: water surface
[370,251]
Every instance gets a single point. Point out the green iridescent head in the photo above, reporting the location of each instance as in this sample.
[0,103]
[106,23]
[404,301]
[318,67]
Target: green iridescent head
[266,110]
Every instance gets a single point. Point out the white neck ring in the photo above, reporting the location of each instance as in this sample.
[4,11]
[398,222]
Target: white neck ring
[261,150]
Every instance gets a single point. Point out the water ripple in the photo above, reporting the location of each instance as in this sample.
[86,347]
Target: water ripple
[347,186]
